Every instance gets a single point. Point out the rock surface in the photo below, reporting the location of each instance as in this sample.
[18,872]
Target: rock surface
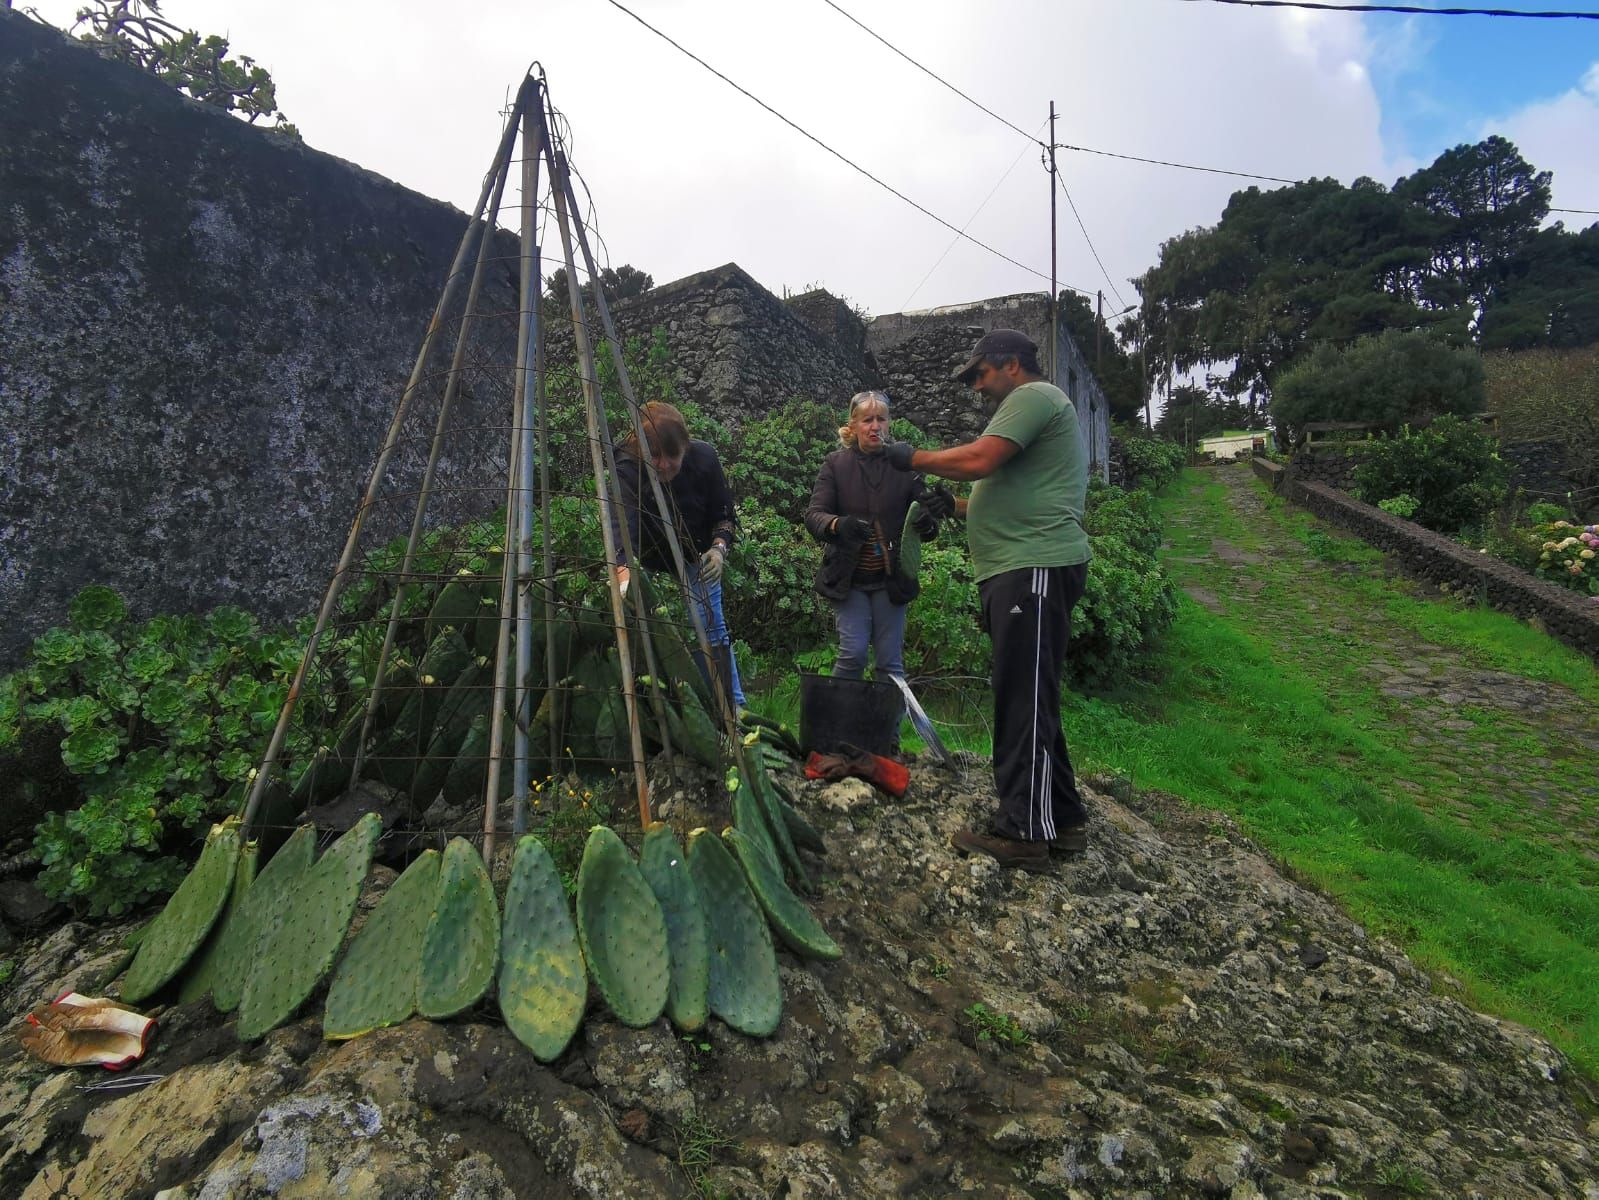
[1168,1015]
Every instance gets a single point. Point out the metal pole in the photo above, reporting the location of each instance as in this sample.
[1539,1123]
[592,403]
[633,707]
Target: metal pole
[1054,287]
[515,518]
[1099,336]
[379,470]
[527,362]
[595,416]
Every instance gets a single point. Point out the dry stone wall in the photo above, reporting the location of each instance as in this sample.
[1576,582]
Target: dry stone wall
[206,328]
[737,350]
[916,351]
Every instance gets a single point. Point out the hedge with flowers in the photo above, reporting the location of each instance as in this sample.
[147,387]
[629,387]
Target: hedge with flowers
[1570,556]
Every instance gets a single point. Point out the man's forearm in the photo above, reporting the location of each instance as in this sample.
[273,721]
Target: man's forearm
[959,463]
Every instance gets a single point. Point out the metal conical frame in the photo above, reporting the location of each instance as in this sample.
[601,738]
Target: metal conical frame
[529,453]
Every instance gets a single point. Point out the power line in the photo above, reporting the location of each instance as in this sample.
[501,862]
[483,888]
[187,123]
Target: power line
[1032,137]
[1162,162]
[992,192]
[1410,9]
[1089,240]
[931,74]
[927,212]
[1586,212]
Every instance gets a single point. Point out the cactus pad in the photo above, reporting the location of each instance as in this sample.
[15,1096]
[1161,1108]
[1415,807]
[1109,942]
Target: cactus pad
[622,930]
[745,988]
[543,987]
[270,891]
[197,980]
[375,984]
[776,827]
[748,818]
[299,940]
[462,942]
[665,869]
[180,927]
[800,930]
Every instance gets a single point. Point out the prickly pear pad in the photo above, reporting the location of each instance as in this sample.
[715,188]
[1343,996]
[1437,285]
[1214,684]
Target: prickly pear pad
[745,988]
[201,972]
[462,942]
[295,951]
[268,894]
[376,982]
[180,927]
[665,869]
[793,922]
[543,987]
[622,930]
[766,797]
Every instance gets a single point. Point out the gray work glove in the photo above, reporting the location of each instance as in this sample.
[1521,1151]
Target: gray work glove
[711,563]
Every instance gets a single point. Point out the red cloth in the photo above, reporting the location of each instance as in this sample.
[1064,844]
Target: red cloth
[882,773]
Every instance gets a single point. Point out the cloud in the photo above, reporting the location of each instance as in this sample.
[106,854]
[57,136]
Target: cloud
[686,173]
[1561,135]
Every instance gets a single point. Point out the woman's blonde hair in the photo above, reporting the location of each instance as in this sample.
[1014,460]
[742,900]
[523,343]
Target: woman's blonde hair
[846,432]
[665,431]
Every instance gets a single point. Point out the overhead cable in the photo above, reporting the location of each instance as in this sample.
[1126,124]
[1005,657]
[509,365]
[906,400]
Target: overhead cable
[1067,192]
[1413,9]
[853,165]
[930,73]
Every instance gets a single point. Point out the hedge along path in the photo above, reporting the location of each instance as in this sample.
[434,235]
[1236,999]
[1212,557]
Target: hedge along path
[1430,762]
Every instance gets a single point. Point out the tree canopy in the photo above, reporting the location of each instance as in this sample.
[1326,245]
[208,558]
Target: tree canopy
[1454,249]
[619,284]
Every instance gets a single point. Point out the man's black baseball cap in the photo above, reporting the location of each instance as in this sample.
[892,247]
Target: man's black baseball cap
[997,343]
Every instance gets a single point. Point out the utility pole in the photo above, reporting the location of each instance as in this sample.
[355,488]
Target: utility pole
[1099,335]
[1054,287]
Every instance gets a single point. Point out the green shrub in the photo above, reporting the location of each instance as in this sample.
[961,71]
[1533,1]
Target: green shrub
[766,592]
[153,722]
[1151,462]
[1403,505]
[1385,379]
[772,461]
[1451,468]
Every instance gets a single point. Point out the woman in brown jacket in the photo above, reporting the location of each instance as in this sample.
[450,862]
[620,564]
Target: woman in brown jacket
[857,511]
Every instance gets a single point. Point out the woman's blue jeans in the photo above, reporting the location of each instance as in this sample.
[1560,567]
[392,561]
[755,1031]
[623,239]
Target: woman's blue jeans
[708,604]
[869,620]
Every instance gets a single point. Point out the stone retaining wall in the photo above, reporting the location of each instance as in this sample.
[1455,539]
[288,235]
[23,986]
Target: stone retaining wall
[1437,559]
[204,331]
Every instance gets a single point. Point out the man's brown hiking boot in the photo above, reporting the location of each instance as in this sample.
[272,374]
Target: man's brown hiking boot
[1007,852]
[1069,840]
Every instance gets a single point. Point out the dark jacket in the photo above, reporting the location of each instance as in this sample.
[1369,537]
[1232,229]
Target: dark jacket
[698,496]
[851,483]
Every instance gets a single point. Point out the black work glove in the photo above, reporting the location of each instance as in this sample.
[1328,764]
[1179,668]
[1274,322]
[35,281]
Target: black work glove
[899,455]
[938,501]
[853,530]
[925,525]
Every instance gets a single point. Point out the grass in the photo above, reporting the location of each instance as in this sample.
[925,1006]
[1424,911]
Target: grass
[1259,710]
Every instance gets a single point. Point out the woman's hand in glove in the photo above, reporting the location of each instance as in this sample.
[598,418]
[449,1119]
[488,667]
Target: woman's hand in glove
[854,530]
[938,501]
[711,563]
[925,525]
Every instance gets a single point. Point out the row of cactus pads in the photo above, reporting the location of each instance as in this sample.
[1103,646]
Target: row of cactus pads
[687,934]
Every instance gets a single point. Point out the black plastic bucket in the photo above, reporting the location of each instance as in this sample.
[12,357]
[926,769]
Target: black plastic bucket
[858,712]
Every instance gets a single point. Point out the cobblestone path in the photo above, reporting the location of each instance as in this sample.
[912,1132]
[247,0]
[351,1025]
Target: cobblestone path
[1491,747]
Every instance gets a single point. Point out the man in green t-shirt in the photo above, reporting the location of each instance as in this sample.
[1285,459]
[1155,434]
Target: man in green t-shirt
[1024,523]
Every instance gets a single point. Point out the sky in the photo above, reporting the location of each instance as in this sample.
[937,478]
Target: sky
[686,174]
